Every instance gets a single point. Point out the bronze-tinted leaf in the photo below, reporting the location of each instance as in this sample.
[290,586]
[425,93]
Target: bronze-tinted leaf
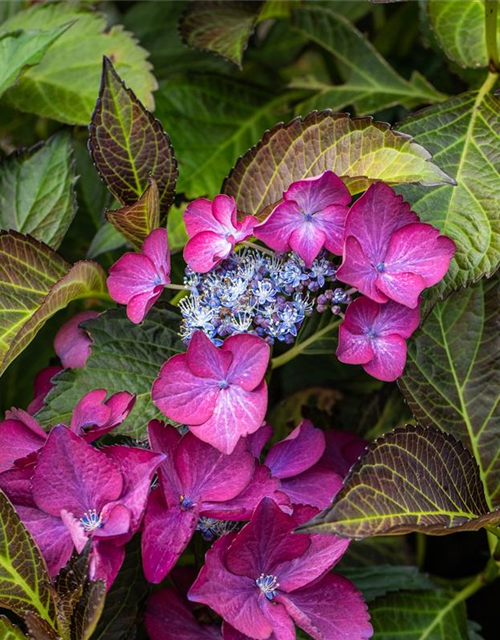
[358,149]
[413,479]
[223,27]
[128,145]
[8,631]
[88,610]
[136,221]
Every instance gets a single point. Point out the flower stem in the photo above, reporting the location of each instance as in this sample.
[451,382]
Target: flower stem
[491,8]
[298,348]
[177,287]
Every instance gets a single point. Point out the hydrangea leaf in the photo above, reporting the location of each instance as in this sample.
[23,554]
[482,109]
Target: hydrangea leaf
[37,193]
[107,238]
[220,26]
[463,136]
[358,149]
[136,221]
[232,117]
[176,228]
[370,83]
[24,581]
[452,377]
[128,145]
[20,50]
[88,610]
[420,615]
[413,479]
[65,83]
[377,580]
[124,357]
[35,283]
[8,631]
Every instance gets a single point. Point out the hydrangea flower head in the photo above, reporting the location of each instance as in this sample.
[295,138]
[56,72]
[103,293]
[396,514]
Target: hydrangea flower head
[265,578]
[72,344]
[138,279]
[389,254]
[374,335]
[312,216]
[214,230]
[219,393]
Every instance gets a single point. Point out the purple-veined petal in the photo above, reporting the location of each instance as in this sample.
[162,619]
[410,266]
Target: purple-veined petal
[315,194]
[205,360]
[249,362]
[105,561]
[332,222]
[71,343]
[404,288]
[132,275]
[244,229]
[396,318]
[358,271]
[20,436]
[204,250]
[354,348]
[41,386]
[116,522]
[90,411]
[155,247]
[16,484]
[76,531]
[199,217]
[258,440]
[390,358]
[298,452]
[224,210]
[139,305]
[307,240]
[276,230]
[342,450]
[165,439]
[316,487]
[278,616]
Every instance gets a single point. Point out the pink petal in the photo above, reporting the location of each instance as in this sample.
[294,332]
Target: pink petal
[404,288]
[236,414]
[42,385]
[16,484]
[361,315]
[235,598]
[332,222]
[316,487]
[90,411]
[374,217]
[258,440]
[265,542]
[116,522]
[282,623]
[203,251]
[139,305]
[105,561]
[19,438]
[199,217]
[205,360]
[298,452]
[307,241]
[249,362]
[71,474]
[244,229]
[224,210]
[72,344]
[396,318]
[166,533]
[165,439]
[132,275]
[155,247]
[331,608]
[76,531]
[315,194]
[182,396]
[342,450]
[390,358]
[354,348]
[358,271]
[276,230]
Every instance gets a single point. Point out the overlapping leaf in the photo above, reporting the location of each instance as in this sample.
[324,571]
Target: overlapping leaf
[220,26]
[452,378]
[20,50]
[37,190]
[413,479]
[8,631]
[136,221]
[357,149]
[463,136]
[370,83]
[35,283]
[377,580]
[65,83]
[124,357]
[128,145]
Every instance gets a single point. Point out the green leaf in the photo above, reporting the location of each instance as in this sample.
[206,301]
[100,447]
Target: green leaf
[372,551]
[358,149]
[231,116]
[429,615]
[413,479]
[136,221]
[35,283]
[88,610]
[65,83]
[220,26]
[106,239]
[37,194]
[463,135]
[370,83]
[376,581]
[123,132]
[20,50]
[24,581]
[177,234]
[8,631]
[124,357]
[452,378]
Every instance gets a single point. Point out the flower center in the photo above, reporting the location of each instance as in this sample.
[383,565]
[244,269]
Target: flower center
[91,520]
[308,217]
[372,334]
[268,585]
[186,503]
[223,384]
[380,267]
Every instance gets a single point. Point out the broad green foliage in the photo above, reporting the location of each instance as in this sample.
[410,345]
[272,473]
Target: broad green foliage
[358,149]
[417,615]
[452,378]
[463,136]
[232,117]
[375,581]
[413,479]
[64,85]
[128,145]
[35,283]
[37,193]
[10,632]
[221,26]
[25,49]
[370,83]
[124,357]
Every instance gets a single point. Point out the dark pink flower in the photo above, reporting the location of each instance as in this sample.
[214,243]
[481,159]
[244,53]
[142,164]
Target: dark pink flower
[388,253]
[374,335]
[266,578]
[342,450]
[81,493]
[311,217]
[72,344]
[219,393]
[94,416]
[20,435]
[194,479]
[41,387]
[214,230]
[138,279]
